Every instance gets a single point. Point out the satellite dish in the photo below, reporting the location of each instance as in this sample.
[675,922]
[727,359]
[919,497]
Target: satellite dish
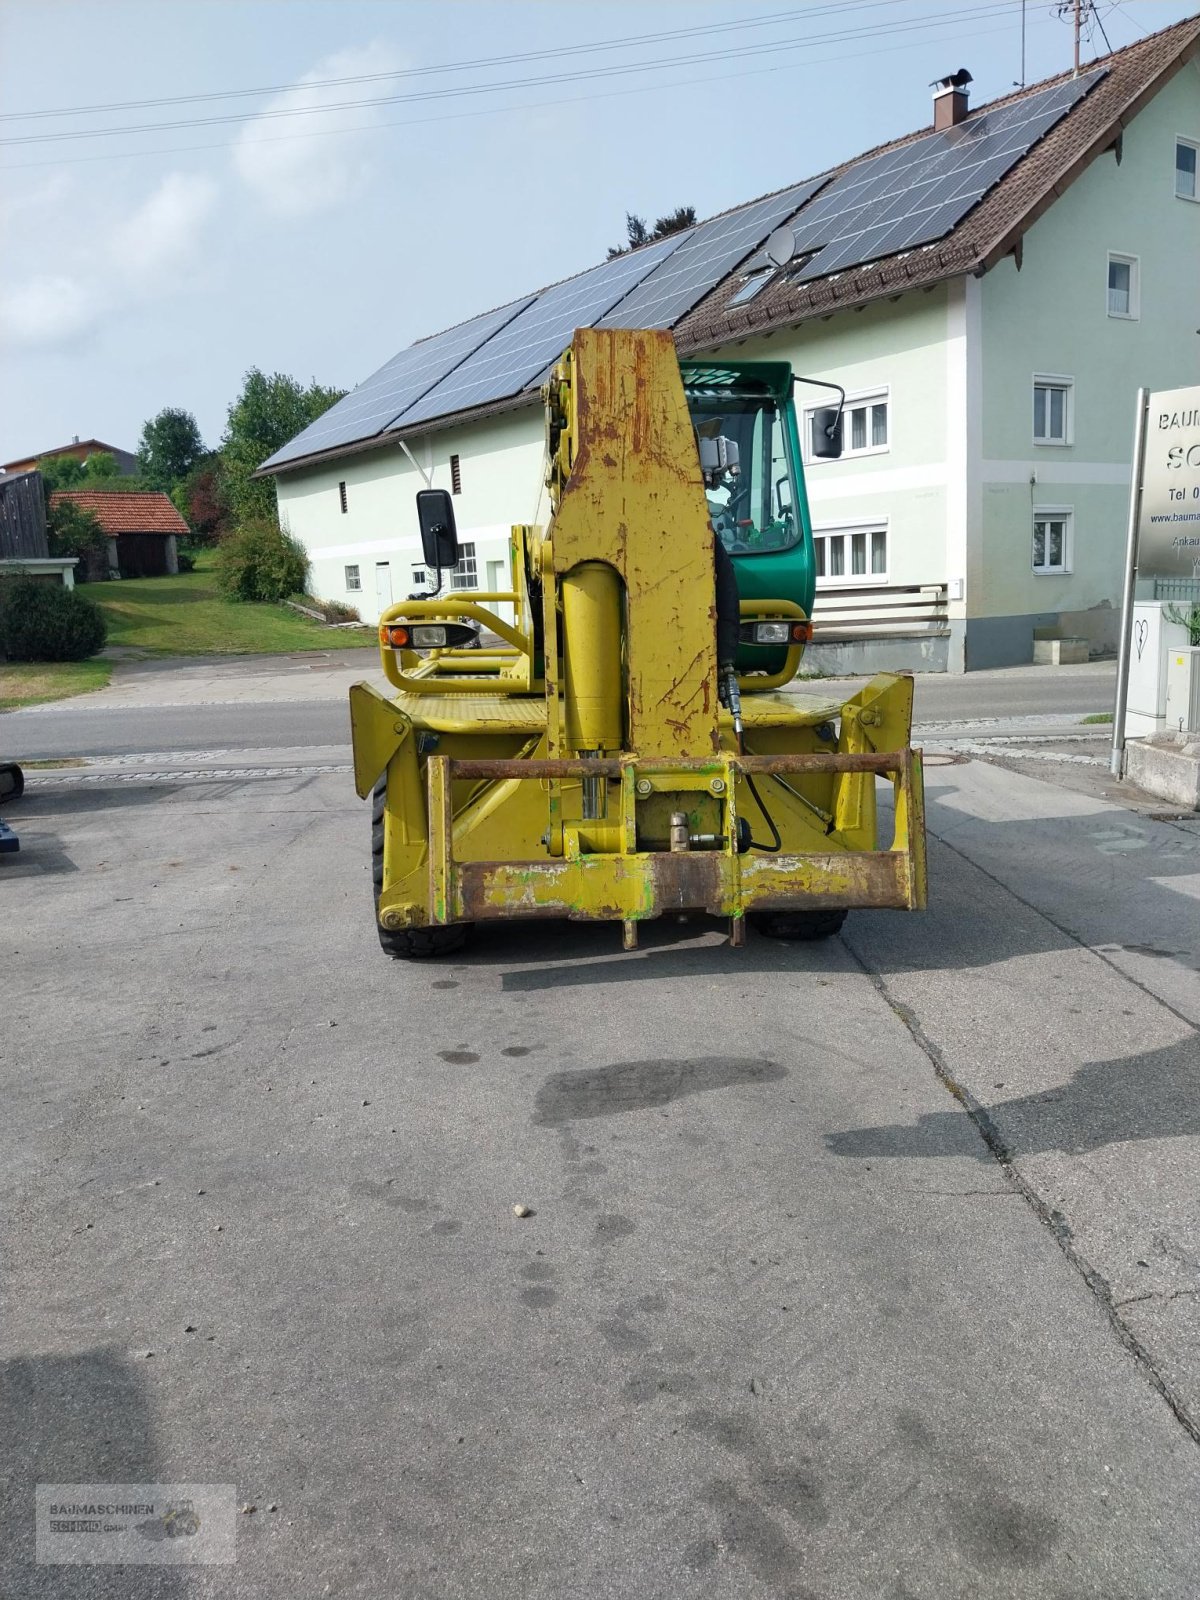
[781,247]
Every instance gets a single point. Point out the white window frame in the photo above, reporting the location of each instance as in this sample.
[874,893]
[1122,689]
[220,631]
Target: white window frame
[466,574]
[419,576]
[865,397]
[1055,380]
[1134,263]
[826,533]
[1065,515]
[1194,146]
[354,583]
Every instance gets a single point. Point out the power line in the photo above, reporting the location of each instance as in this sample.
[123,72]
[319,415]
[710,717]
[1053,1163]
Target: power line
[765,19]
[762,20]
[487,111]
[908,25]
[1103,29]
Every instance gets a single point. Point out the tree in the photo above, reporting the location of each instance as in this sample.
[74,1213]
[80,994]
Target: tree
[200,499]
[639,233]
[268,412]
[72,531]
[674,222]
[101,468]
[61,472]
[170,447]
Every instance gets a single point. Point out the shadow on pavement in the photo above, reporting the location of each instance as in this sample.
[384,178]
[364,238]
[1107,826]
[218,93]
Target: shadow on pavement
[86,797]
[577,954]
[1155,1095]
[81,1418]
[41,855]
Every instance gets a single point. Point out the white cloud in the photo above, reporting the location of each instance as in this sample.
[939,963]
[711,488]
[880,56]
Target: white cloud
[47,310]
[35,205]
[108,263]
[294,176]
[159,238]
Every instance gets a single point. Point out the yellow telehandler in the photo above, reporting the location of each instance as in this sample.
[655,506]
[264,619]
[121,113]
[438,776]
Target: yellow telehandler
[628,750]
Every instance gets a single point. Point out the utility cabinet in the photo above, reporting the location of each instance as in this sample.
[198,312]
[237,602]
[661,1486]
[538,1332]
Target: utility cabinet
[1154,640]
[1183,690]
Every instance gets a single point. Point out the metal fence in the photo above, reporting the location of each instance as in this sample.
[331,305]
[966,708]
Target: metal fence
[1184,590]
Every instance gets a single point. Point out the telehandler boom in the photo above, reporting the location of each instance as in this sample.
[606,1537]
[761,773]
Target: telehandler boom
[627,752]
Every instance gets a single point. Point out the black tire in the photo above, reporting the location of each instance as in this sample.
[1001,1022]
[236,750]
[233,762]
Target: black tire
[12,781]
[799,924]
[405,944]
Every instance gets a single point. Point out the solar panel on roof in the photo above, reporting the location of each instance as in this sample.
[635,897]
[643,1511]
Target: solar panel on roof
[379,399]
[709,255]
[918,192]
[517,355]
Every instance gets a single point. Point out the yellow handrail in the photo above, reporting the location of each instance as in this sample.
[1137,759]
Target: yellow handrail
[444,606]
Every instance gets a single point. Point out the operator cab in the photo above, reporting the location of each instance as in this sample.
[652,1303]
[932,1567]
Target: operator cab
[746,440]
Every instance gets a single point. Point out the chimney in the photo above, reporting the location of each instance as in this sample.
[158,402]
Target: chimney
[75,439]
[950,99]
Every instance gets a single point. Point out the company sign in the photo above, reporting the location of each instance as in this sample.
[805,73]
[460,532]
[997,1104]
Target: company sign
[1169,526]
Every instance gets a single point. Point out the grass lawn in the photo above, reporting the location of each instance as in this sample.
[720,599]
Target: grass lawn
[187,616]
[30,683]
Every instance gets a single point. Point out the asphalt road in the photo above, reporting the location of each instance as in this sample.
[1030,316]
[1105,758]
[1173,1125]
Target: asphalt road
[289,702]
[858,1271]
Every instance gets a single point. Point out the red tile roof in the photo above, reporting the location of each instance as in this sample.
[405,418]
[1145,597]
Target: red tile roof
[126,513]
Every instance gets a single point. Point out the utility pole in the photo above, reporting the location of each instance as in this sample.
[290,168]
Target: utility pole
[1077,26]
[1022,43]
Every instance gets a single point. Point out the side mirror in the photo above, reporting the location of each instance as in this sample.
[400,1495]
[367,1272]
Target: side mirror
[439,540]
[827,433]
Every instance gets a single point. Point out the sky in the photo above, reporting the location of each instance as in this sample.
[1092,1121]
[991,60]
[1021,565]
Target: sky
[351,175]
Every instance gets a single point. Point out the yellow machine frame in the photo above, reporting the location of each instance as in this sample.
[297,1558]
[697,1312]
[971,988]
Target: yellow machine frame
[585,767]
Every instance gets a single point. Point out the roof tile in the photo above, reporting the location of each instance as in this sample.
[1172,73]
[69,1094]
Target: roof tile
[126,513]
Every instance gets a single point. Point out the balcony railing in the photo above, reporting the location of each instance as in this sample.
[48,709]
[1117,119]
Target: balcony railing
[872,612]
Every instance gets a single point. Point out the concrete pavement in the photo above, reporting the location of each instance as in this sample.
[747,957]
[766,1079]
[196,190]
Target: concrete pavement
[854,1270]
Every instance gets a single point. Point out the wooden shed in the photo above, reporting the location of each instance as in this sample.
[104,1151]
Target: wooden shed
[142,531]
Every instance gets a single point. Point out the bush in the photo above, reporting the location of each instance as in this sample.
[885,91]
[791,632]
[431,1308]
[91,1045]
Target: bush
[41,621]
[329,610]
[261,562]
[71,531]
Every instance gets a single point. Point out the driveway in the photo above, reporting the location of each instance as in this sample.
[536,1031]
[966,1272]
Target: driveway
[862,1269]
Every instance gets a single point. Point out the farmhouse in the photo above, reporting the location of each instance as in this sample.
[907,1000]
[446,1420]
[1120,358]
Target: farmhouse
[990,290]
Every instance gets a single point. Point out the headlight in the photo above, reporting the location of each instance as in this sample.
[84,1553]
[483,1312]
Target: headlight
[427,635]
[775,632]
